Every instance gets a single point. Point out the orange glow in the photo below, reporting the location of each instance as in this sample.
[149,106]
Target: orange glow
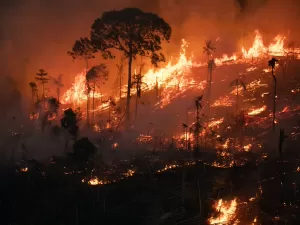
[226,211]
[257,111]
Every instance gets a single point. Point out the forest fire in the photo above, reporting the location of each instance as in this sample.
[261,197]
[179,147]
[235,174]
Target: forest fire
[257,111]
[226,212]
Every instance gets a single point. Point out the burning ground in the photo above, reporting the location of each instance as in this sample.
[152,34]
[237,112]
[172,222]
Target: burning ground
[236,134]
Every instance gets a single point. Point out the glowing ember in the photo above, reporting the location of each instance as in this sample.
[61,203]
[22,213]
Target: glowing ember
[255,112]
[25,169]
[216,122]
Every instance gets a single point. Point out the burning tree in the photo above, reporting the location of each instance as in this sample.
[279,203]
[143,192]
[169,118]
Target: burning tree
[41,76]
[133,32]
[208,49]
[236,83]
[58,83]
[198,126]
[138,83]
[69,122]
[272,64]
[84,49]
[97,75]
[33,87]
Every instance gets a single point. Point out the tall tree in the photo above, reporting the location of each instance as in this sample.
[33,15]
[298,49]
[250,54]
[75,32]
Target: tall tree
[133,32]
[96,76]
[237,83]
[211,67]
[198,126]
[58,83]
[120,70]
[83,49]
[69,121]
[41,76]
[272,64]
[138,83]
[208,49]
[33,87]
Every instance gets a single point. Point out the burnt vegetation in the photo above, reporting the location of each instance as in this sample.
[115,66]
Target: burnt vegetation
[232,157]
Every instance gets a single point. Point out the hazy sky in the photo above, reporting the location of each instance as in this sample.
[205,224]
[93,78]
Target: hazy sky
[38,33]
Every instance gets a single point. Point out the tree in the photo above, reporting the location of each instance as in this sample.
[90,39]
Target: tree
[83,49]
[96,76]
[208,48]
[185,127]
[41,76]
[138,83]
[211,66]
[120,70]
[236,83]
[33,87]
[133,32]
[272,64]
[198,126]
[58,83]
[69,121]
[84,149]
[282,137]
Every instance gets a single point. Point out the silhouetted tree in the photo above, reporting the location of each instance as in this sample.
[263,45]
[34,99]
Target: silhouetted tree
[49,115]
[236,83]
[120,70]
[41,76]
[272,64]
[138,83]
[83,49]
[211,67]
[69,122]
[33,87]
[96,76]
[198,126]
[84,149]
[133,32]
[58,83]
[208,49]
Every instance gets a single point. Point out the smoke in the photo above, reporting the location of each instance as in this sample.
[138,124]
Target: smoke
[37,34]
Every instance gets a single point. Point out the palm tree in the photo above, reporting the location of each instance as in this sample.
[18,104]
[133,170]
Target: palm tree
[41,76]
[236,83]
[97,75]
[33,87]
[58,83]
[209,48]
[211,67]
[198,104]
[272,64]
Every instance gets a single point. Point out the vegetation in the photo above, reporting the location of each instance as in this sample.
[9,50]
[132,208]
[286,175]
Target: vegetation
[272,64]
[83,49]
[132,32]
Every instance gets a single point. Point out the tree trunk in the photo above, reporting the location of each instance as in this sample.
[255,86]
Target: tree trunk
[274,99]
[237,101]
[93,115]
[44,94]
[87,96]
[136,103]
[128,91]
[120,74]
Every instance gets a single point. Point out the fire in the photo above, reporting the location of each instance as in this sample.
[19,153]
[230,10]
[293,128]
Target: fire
[216,122]
[247,147]
[25,169]
[258,48]
[226,212]
[257,111]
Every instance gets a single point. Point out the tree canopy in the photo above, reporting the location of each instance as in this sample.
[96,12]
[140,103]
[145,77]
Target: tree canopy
[131,31]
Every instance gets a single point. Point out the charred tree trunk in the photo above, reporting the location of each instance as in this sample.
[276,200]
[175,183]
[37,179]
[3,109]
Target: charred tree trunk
[274,99]
[128,91]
